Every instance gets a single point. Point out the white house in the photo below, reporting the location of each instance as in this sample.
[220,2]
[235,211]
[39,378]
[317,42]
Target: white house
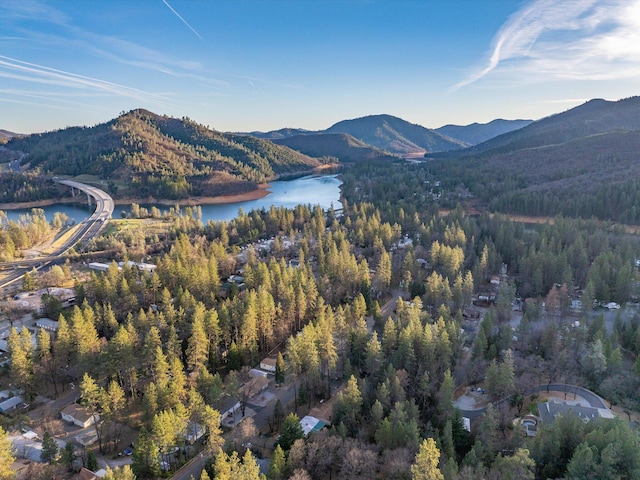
[268,364]
[311,424]
[79,415]
[194,432]
[145,267]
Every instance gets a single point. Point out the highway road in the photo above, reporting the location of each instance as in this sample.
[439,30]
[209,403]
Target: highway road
[86,231]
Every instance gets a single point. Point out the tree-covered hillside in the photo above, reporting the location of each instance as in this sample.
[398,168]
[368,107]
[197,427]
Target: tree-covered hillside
[476,133]
[160,156]
[581,163]
[340,145]
[395,135]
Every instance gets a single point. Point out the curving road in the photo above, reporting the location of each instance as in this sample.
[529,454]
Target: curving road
[86,231]
[594,400]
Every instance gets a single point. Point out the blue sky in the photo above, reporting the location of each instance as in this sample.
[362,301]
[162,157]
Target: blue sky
[242,65]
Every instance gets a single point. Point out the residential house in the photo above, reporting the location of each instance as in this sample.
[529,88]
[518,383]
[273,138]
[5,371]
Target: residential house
[79,415]
[311,424]
[553,409]
[268,364]
[10,404]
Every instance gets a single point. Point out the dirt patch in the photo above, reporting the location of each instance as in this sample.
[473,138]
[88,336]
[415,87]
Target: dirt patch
[323,410]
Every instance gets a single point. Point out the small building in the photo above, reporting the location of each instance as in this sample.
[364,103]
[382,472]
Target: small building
[48,324]
[100,267]
[10,404]
[237,279]
[268,364]
[79,415]
[311,424]
[194,432]
[466,423]
[87,437]
[254,372]
[471,313]
[227,406]
[145,267]
[30,435]
[254,386]
[86,474]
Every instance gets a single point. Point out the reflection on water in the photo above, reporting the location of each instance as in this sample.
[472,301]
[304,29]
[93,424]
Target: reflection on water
[323,190]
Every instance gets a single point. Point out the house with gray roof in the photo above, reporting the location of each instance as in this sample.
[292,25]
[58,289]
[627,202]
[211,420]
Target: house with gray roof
[552,409]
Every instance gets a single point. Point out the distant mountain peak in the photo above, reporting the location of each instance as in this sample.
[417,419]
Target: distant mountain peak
[395,135]
[476,133]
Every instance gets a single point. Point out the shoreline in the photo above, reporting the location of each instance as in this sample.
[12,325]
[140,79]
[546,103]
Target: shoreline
[260,192]
[256,194]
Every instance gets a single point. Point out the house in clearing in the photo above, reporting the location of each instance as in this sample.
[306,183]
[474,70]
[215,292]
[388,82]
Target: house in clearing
[311,424]
[552,409]
[79,415]
[268,364]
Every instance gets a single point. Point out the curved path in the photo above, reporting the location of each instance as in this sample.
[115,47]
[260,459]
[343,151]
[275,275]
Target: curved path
[86,231]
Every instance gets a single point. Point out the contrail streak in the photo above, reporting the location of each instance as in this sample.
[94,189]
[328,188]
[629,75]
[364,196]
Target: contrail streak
[182,19]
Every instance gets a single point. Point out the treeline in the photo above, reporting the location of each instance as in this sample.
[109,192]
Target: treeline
[592,185]
[28,187]
[616,202]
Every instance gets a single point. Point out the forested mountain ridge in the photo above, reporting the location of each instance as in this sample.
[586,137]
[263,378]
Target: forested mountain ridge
[477,133]
[341,145]
[395,135]
[591,118]
[157,155]
[384,132]
[580,163]
[281,133]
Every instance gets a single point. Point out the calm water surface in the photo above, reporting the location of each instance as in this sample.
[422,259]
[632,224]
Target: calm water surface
[323,190]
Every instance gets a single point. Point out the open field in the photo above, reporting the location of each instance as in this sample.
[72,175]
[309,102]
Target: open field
[150,226]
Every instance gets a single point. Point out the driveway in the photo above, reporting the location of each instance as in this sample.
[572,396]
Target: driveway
[467,403]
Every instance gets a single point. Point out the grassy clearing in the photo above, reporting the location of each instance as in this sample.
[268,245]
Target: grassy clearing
[150,226]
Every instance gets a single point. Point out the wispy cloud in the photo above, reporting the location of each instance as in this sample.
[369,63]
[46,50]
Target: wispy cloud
[577,39]
[30,72]
[182,19]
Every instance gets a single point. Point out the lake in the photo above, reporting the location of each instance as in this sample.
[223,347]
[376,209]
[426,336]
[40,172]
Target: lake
[323,190]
